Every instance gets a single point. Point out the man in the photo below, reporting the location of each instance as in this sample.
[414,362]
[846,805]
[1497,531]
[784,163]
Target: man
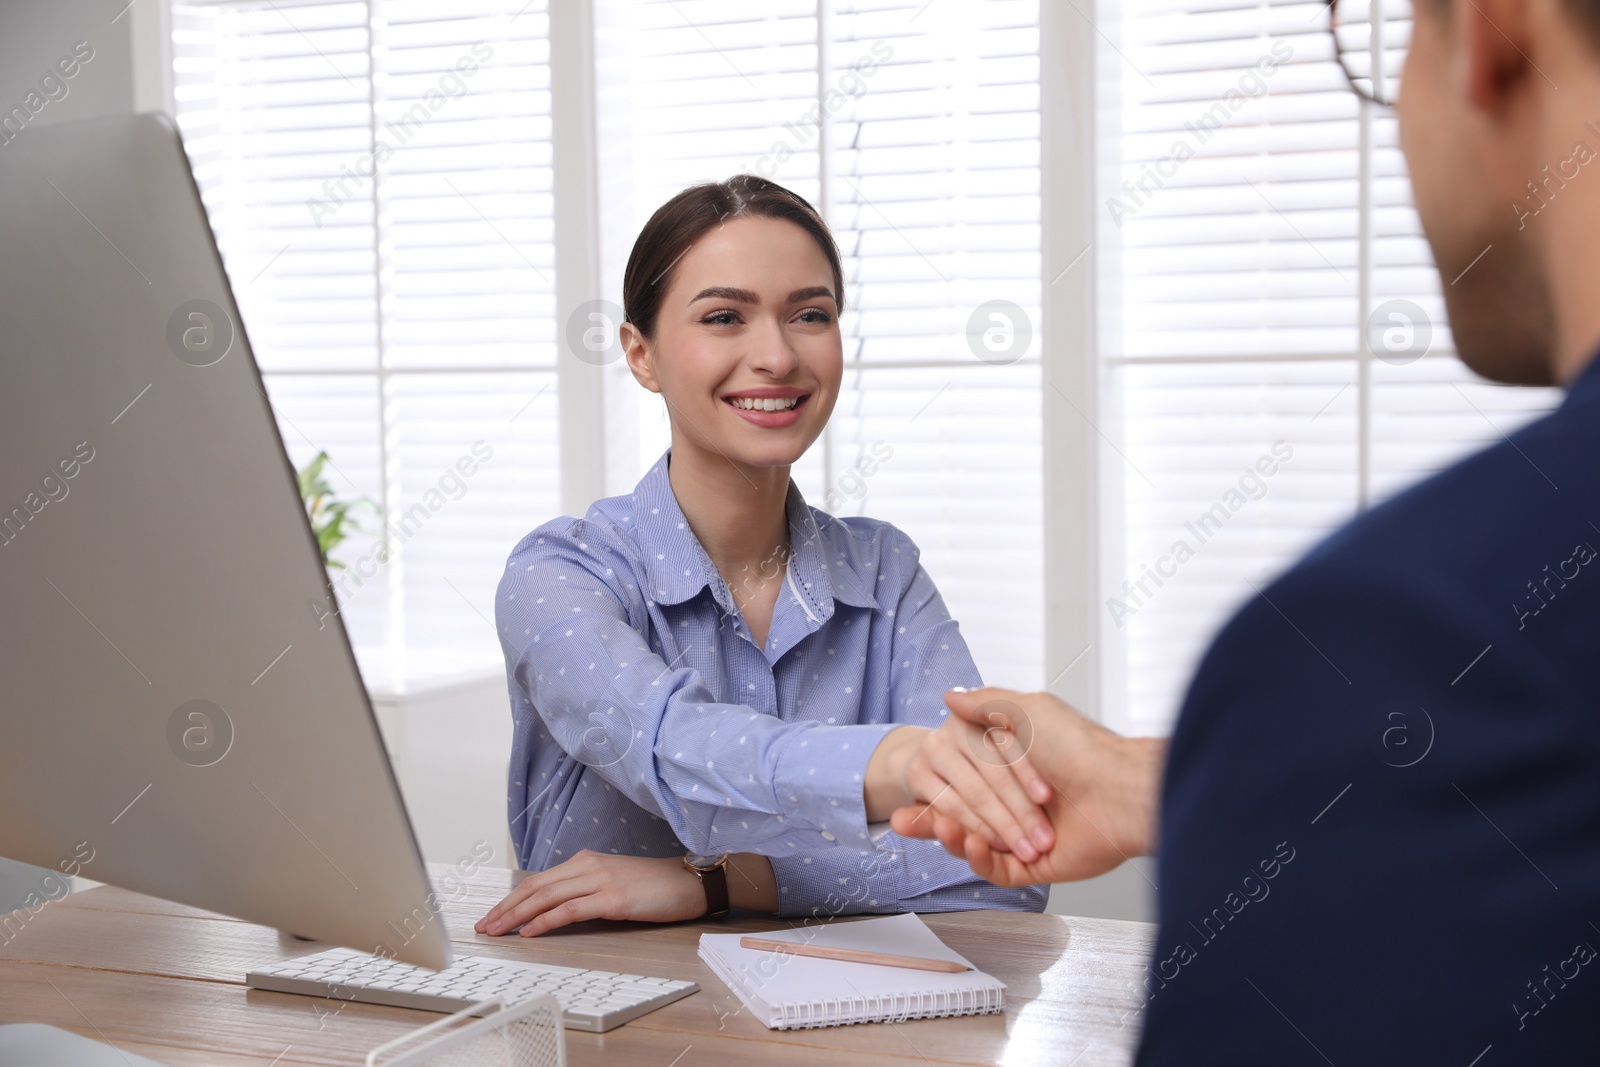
[1380,819]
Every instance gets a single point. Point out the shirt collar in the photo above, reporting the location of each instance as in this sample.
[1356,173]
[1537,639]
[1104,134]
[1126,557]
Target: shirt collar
[813,539]
[678,567]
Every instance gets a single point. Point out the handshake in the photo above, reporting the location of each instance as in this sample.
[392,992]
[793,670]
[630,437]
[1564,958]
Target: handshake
[1021,786]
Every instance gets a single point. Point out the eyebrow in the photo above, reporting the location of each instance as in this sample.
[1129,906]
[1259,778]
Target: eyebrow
[745,296]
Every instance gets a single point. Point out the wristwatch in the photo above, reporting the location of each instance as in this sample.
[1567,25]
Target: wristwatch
[713,874]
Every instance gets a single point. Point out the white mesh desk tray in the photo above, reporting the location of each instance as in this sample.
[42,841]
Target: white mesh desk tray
[527,1033]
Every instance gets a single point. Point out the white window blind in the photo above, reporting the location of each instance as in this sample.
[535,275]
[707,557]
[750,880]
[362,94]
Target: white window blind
[378,177]
[915,129]
[1263,218]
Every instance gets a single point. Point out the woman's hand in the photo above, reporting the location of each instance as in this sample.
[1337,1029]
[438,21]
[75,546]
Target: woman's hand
[976,775]
[1104,803]
[596,885]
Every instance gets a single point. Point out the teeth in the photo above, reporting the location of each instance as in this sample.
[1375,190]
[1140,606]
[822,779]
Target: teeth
[766,404]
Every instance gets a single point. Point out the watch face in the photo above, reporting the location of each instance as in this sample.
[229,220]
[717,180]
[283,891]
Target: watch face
[706,861]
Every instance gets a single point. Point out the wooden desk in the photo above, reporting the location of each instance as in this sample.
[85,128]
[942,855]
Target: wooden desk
[167,982]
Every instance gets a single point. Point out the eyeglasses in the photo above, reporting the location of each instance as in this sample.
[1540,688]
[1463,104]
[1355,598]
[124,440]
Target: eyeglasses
[1371,38]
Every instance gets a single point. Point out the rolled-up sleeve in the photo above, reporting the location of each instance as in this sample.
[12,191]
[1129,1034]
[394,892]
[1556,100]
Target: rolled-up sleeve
[898,874]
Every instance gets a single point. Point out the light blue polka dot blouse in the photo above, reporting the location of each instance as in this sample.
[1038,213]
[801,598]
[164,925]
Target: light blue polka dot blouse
[648,721]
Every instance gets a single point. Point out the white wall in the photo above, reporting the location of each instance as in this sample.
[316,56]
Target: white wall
[1129,892]
[34,34]
[447,727]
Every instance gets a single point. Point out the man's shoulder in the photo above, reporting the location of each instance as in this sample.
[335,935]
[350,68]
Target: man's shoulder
[1390,714]
[1517,492]
[1468,546]
[1480,585]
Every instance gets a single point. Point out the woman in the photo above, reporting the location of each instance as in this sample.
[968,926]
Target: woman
[708,661]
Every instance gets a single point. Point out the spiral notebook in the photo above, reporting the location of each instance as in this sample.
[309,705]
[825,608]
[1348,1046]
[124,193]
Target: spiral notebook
[787,992]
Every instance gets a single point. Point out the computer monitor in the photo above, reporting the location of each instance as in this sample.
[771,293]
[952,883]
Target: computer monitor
[183,714]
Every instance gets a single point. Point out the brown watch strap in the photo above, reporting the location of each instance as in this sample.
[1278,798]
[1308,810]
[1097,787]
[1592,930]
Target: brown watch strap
[716,886]
[714,880]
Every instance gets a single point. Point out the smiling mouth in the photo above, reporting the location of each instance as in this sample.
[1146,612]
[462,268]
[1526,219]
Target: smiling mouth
[768,403]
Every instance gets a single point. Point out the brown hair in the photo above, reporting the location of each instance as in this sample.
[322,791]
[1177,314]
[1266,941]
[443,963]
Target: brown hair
[678,223]
[1585,12]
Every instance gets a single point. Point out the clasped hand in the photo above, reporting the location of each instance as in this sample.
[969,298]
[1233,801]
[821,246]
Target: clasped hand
[1101,791]
[972,770]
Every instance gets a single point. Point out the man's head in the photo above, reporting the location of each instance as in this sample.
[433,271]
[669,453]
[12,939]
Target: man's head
[1493,93]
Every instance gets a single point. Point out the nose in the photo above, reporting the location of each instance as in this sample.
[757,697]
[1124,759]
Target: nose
[770,350]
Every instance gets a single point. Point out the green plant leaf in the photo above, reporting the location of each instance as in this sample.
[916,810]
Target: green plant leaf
[332,519]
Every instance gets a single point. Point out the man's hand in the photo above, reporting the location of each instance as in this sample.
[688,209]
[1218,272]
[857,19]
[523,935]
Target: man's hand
[959,772]
[1106,787]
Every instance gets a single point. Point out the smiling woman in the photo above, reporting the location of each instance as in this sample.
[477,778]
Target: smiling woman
[709,664]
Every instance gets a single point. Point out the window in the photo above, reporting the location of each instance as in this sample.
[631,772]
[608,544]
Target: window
[1271,296]
[927,170]
[378,177]
[1273,353]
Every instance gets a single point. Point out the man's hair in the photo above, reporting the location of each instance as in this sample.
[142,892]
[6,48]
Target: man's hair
[1585,12]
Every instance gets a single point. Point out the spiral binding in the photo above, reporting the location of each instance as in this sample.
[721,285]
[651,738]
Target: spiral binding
[892,1008]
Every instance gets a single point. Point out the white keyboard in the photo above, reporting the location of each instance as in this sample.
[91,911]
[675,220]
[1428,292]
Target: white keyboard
[595,1001]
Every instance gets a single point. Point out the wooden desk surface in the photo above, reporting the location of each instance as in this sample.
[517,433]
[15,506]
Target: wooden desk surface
[167,981]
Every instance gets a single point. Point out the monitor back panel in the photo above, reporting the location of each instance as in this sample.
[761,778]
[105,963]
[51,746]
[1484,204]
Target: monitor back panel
[182,712]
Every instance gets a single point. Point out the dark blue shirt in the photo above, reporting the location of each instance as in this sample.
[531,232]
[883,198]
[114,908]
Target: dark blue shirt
[1380,827]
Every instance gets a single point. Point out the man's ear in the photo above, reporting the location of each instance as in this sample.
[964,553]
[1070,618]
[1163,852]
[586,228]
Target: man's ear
[636,350]
[1493,45]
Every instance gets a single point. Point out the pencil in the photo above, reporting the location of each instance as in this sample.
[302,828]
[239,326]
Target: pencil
[853,955]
